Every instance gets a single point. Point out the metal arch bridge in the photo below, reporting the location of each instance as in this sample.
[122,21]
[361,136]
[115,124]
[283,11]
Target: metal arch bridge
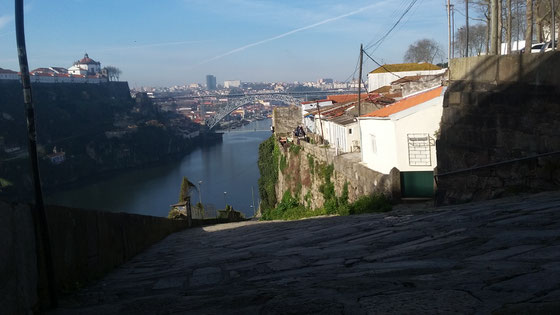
[235,103]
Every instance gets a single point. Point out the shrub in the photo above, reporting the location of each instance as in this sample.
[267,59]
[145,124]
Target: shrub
[369,204]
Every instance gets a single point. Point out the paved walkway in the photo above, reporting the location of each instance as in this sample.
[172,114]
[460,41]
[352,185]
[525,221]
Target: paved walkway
[500,256]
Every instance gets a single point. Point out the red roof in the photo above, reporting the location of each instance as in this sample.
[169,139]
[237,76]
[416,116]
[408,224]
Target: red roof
[87,60]
[406,103]
[345,98]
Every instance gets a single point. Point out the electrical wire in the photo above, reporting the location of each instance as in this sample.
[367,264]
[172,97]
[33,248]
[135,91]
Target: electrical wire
[374,46]
[382,66]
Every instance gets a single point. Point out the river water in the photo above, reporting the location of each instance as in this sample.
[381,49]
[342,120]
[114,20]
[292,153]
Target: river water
[230,167]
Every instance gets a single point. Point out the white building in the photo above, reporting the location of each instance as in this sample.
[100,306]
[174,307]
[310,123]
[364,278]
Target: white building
[232,84]
[386,74]
[343,133]
[402,136]
[85,66]
[6,74]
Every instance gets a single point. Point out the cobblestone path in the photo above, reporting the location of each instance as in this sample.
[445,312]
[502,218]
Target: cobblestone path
[500,256]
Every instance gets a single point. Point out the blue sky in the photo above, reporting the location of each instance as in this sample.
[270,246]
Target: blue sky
[168,42]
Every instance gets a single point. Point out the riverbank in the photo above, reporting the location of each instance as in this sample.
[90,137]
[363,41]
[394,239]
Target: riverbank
[227,166]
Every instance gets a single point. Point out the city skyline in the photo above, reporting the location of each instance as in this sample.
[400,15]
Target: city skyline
[180,42]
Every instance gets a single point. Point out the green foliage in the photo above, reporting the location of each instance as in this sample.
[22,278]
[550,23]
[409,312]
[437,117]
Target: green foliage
[289,209]
[175,214]
[307,199]
[311,163]
[199,211]
[295,149]
[297,191]
[283,163]
[186,186]
[269,154]
[369,204]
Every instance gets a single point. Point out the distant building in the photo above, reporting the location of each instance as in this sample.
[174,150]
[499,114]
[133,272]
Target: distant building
[85,66]
[57,157]
[6,74]
[210,82]
[232,84]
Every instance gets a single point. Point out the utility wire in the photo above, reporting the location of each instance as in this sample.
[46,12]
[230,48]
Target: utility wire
[378,43]
[355,70]
[382,66]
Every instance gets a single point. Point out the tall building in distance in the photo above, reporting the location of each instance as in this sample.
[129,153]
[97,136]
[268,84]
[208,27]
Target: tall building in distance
[210,82]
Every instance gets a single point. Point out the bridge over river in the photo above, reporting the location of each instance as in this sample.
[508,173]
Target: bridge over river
[239,100]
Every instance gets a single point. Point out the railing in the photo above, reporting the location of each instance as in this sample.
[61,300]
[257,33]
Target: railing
[493,165]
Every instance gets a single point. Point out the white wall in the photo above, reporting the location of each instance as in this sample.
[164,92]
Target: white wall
[313,106]
[423,118]
[382,132]
[9,76]
[377,80]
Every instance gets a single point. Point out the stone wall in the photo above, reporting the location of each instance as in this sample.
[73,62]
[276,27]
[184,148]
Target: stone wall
[86,244]
[286,119]
[302,173]
[500,109]
[18,262]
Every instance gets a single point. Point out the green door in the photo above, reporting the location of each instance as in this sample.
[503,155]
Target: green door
[417,184]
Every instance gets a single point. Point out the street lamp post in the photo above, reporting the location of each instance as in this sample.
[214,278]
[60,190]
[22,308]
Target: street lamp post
[200,191]
[225,200]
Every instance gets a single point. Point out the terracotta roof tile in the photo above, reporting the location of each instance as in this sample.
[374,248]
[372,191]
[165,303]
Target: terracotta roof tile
[406,103]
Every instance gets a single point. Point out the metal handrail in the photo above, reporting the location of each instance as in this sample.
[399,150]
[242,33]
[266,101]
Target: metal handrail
[493,164]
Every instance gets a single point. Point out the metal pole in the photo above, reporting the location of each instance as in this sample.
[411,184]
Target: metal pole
[321,123]
[552,27]
[448,32]
[253,200]
[452,31]
[360,81]
[467,27]
[40,214]
[200,191]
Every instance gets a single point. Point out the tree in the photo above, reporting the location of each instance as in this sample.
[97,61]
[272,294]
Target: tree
[113,73]
[529,32]
[423,50]
[186,186]
[477,40]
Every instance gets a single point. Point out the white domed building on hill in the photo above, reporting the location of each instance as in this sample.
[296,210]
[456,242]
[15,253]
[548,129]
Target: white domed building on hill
[85,66]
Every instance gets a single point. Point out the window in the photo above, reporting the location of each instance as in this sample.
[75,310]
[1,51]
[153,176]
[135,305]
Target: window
[419,151]
[350,131]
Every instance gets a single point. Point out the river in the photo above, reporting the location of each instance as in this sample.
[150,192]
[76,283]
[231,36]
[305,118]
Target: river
[227,170]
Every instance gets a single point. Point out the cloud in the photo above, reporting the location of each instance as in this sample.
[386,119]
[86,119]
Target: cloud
[242,48]
[4,20]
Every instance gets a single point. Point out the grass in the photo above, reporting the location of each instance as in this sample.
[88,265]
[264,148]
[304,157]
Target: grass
[290,209]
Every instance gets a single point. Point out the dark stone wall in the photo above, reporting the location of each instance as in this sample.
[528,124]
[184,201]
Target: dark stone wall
[488,120]
[86,244]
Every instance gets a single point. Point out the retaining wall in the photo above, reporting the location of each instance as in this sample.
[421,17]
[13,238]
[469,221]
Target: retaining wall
[499,109]
[86,244]
[347,169]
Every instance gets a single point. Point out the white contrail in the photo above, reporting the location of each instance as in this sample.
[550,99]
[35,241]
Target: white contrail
[290,33]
